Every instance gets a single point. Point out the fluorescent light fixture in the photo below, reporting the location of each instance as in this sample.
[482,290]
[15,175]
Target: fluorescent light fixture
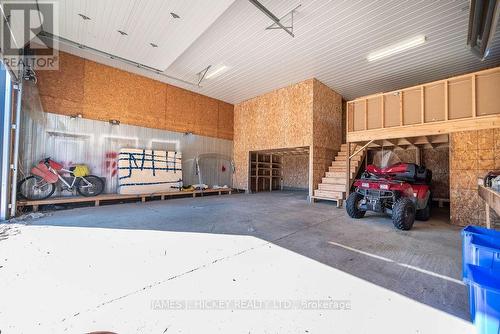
[221,69]
[397,48]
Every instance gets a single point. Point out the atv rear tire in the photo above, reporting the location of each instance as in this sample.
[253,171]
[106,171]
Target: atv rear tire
[403,214]
[425,213]
[352,204]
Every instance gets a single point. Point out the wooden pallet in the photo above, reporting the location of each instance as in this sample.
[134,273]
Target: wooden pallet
[116,197]
[441,201]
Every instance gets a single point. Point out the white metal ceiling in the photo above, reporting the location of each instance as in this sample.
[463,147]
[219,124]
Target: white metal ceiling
[332,41]
[145,22]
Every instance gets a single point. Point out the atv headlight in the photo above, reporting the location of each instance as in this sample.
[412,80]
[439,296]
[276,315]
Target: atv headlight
[384,186]
[365,185]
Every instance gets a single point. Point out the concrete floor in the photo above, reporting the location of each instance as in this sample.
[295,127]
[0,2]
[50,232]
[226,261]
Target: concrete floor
[262,263]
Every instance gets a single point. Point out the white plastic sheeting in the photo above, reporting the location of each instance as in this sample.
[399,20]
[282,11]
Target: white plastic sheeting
[97,144]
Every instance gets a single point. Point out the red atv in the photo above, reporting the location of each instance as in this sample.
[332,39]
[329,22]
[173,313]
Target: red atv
[402,190]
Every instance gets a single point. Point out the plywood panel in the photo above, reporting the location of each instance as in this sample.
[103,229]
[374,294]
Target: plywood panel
[225,120]
[207,110]
[412,107]
[391,110]
[279,119]
[488,94]
[103,93]
[350,115]
[107,92]
[179,114]
[434,102]
[62,91]
[147,105]
[374,107]
[57,105]
[459,98]
[359,115]
[327,118]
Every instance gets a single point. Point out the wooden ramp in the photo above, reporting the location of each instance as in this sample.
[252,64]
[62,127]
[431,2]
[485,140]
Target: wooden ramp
[117,197]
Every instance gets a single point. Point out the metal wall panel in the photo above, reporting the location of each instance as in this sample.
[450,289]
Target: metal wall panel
[97,143]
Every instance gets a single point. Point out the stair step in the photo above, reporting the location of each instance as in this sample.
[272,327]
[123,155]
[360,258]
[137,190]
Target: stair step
[335,180]
[341,168]
[354,162]
[329,194]
[331,187]
[344,157]
[338,174]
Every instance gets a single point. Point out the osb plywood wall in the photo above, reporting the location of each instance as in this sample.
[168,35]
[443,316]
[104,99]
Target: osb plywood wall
[101,92]
[327,129]
[472,155]
[437,160]
[304,114]
[279,119]
[295,171]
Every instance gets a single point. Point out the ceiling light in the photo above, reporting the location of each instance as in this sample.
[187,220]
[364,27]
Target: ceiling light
[396,48]
[215,73]
[153,45]
[85,17]
[123,33]
[175,16]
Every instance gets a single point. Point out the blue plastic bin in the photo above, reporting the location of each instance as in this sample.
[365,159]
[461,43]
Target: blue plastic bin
[480,247]
[484,298]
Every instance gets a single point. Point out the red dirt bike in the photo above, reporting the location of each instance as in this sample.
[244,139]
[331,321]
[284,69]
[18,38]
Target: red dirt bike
[42,183]
[401,189]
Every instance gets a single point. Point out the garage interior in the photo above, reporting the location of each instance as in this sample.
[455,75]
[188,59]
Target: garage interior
[187,166]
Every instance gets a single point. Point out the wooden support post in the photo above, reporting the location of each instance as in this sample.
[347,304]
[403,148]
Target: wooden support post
[446,100]
[366,114]
[401,108]
[143,199]
[417,155]
[474,111]
[257,172]
[422,105]
[194,194]
[162,197]
[348,170]
[347,129]
[35,208]
[382,109]
[97,202]
[270,172]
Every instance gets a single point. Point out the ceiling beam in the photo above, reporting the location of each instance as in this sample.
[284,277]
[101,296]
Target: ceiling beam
[269,14]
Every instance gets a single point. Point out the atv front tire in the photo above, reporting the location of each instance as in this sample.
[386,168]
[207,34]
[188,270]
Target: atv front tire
[403,214]
[352,206]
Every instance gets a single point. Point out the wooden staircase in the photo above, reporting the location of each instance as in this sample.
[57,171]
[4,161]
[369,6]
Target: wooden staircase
[333,185]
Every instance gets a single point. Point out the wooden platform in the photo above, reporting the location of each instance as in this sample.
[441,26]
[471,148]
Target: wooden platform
[338,201]
[116,197]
